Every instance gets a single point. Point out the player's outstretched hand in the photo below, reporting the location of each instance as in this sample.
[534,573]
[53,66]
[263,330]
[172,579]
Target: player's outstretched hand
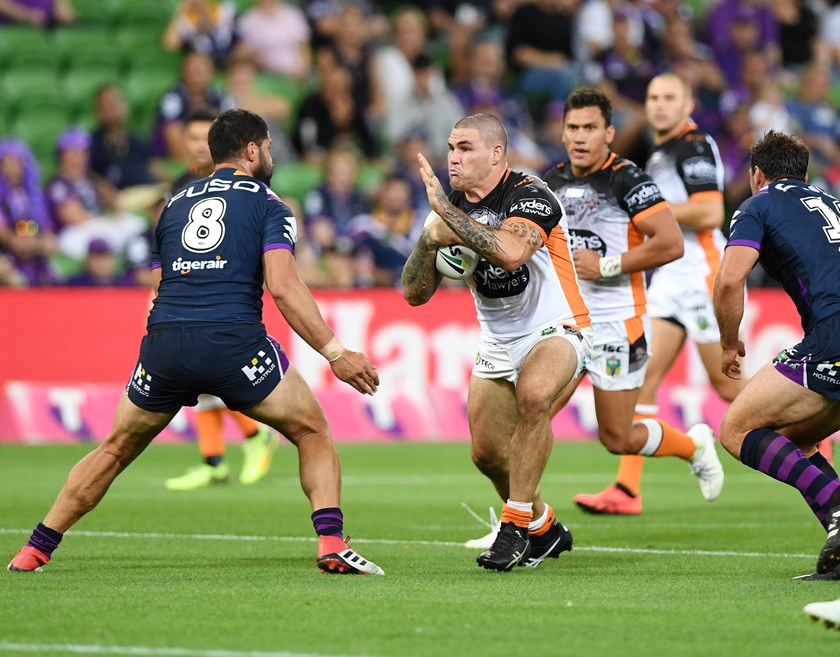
[434,190]
[729,363]
[355,368]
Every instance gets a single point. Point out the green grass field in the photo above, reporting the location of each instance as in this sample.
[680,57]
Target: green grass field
[230,571]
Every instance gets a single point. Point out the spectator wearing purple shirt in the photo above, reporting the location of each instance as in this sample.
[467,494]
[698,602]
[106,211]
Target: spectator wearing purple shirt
[26,228]
[102,268]
[44,13]
[735,26]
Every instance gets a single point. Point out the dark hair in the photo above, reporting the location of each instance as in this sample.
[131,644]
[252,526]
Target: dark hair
[780,156]
[232,131]
[589,97]
[204,113]
[489,126]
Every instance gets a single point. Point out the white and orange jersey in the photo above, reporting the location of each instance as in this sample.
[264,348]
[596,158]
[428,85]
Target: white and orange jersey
[602,211]
[544,289]
[688,168]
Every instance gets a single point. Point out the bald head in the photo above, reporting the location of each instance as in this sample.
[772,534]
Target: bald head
[489,127]
[668,105]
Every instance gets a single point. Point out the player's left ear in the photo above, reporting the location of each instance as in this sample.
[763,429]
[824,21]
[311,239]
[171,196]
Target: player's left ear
[610,134]
[252,150]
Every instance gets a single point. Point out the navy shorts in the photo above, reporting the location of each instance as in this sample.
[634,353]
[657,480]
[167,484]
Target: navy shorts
[239,363]
[814,363]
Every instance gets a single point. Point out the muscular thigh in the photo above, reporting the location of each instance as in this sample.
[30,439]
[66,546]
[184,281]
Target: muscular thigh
[291,408]
[771,400]
[491,407]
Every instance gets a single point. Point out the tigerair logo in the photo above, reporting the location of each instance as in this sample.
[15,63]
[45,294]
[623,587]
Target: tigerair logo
[141,381]
[186,266]
[260,367]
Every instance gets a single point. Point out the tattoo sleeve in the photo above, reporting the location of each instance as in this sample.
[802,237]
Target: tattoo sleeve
[420,277]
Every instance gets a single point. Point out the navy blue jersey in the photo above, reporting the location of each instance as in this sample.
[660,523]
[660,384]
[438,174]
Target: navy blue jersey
[796,229]
[209,244]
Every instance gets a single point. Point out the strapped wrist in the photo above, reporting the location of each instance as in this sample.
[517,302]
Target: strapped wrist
[333,350]
[610,266]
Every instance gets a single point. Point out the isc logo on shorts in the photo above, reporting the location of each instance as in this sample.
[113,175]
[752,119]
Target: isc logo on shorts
[261,366]
[141,382]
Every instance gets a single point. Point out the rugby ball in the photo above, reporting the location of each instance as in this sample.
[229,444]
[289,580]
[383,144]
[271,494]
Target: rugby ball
[456,261]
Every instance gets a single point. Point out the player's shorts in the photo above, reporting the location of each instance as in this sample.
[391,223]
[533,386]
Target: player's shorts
[619,354]
[814,363]
[238,363]
[686,303]
[503,360]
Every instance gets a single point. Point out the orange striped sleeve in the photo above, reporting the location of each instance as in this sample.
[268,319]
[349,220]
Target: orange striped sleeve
[637,278]
[652,210]
[710,195]
[558,249]
[711,253]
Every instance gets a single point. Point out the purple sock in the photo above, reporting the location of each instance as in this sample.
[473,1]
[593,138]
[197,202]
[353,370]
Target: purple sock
[774,455]
[328,522]
[45,539]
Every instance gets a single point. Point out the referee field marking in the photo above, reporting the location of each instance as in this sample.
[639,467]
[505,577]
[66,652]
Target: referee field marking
[387,541]
[148,651]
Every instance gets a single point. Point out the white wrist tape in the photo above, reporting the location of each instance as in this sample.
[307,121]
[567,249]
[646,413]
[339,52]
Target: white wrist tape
[333,350]
[610,266]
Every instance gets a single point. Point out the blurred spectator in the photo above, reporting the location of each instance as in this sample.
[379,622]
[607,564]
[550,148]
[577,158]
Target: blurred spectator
[204,26]
[275,109]
[695,63]
[325,20]
[350,48]
[330,116]
[9,276]
[328,211]
[623,71]
[119,156]
[798,34]
[44,13]
[734,142]
[551,133]
[26,229]
[487,69]
[594,27]
[83,206]
[384,239]
[540,48]
[405,166]
[277,35]
[829,26]
[193,90]
[459,23]
[431,107]
[814,119]
[734,27]
[394,63]
[102,268]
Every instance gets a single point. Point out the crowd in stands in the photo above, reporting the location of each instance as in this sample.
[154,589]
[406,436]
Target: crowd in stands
[353,90]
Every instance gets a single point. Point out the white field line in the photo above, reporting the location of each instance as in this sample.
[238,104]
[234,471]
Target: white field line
[385,541]
[75,649]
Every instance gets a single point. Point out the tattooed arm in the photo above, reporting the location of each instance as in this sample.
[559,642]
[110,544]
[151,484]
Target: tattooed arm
[507,246]
[420,277]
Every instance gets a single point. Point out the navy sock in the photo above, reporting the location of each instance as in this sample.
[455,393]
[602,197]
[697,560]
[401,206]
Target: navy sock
[328,522]
[45,539]
[213,460]
[774,455]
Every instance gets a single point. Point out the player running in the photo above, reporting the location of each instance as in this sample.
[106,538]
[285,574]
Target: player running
[215,244]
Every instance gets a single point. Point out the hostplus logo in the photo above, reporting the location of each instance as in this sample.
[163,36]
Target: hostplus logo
[827,372]
[141,382]
[261,366]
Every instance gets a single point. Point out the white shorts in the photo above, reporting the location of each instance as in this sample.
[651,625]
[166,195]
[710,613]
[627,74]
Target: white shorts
[684,302]
[503,360]
[619,354]
[208,403]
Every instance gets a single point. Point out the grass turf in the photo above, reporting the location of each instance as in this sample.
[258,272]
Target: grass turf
[232,568]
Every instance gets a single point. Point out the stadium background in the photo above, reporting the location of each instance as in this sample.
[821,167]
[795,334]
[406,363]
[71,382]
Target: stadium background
[65,352]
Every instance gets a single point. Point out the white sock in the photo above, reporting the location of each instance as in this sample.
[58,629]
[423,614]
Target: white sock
[539,522]
[646,409]
[654,439]
[521,506]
